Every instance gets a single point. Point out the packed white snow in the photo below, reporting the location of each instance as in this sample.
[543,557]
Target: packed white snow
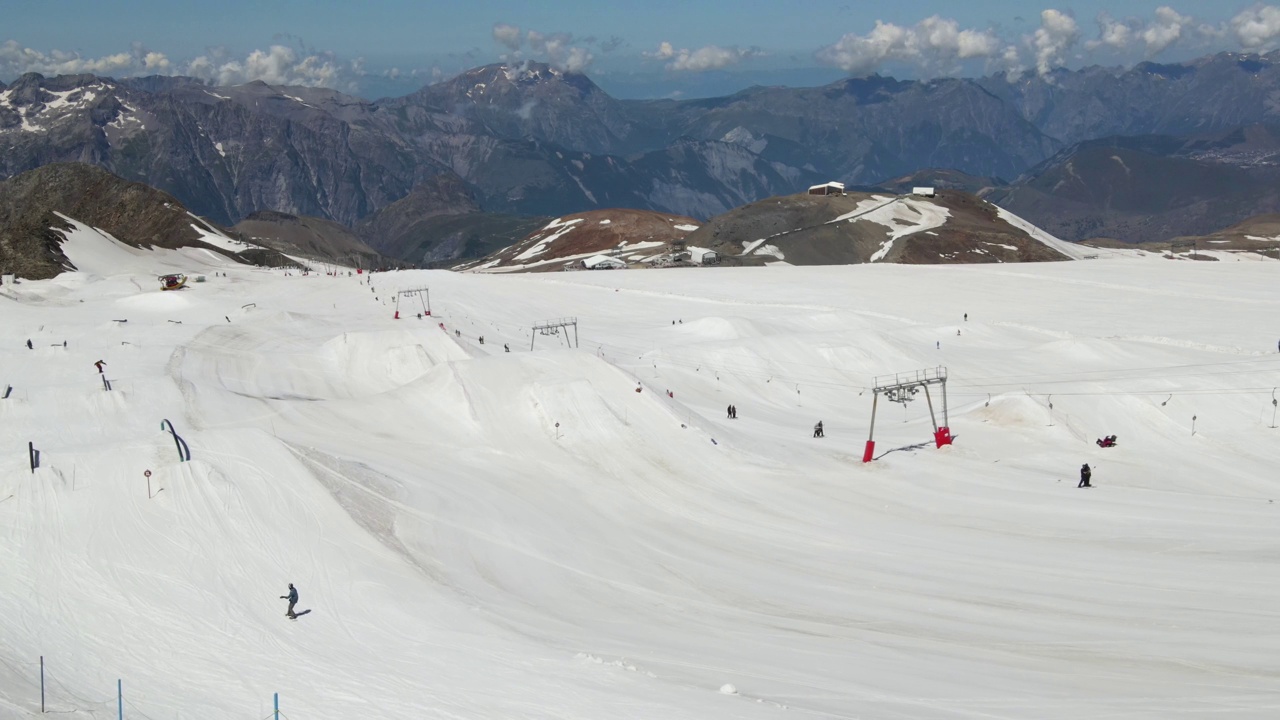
[578,531]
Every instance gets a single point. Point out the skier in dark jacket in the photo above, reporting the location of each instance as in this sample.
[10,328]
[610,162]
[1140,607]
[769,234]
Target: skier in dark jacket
[1085,474]
[292,597]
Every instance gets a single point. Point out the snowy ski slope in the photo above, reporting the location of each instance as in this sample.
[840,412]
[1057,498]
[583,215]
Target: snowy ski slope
[464,557]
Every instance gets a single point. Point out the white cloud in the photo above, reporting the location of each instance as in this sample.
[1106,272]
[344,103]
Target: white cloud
[278,65]
[1167,29]
[1057,34]
[507,35]
[934,42]
[1112,33]
[711,57]
[16,60]
[1256,27]
[560,50]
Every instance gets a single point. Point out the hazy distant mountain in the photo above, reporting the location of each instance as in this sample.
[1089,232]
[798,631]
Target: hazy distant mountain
[1207,95]
[441,221]
[1150,188]
[530,140]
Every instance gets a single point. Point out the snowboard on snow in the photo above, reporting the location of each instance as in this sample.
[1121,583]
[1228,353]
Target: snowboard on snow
[297,615]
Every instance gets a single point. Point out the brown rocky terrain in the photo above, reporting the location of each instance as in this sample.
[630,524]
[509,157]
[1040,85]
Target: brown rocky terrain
[952,227]
[309,237]
[133,213]
[631,235]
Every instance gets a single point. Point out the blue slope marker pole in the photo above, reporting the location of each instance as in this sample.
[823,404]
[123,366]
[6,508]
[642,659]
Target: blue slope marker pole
[277,710]
[120,698]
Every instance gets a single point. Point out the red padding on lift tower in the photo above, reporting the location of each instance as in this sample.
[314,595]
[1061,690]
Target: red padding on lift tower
[871,450]
[397,317]
[942,436]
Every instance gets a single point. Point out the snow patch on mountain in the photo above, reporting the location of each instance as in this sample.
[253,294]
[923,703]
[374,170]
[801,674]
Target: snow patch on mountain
[903,218]
[1071,250]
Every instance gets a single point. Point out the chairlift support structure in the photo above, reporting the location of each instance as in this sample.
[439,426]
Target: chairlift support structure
[903,388]
[423,294]
[553,327]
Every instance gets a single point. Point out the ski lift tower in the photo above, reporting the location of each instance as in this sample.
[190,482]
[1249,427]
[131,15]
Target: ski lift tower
[903,388]
[423,295]
[553,327]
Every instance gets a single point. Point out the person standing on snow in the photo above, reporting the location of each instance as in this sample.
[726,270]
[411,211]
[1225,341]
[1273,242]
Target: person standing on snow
[1085,474]
[292,597]
[817,430]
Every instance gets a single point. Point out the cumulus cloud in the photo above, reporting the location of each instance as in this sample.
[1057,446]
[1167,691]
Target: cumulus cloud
[16,60]
[711,57]
[278,65]
[1168,28]
[559,49]
[934,42]
[507,35]
[1257,27]
[1057,34]
[1112,32]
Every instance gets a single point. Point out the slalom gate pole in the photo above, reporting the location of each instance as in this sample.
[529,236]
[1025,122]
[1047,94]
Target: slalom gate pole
[42,684]
[276,712]
[870,449]
[120,698]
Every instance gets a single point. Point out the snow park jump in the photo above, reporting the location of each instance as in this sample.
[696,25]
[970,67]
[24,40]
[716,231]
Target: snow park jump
[486,531]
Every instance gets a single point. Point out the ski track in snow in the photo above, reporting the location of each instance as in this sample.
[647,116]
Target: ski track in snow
[485,534]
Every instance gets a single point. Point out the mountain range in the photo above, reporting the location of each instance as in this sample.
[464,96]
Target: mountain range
[529,139]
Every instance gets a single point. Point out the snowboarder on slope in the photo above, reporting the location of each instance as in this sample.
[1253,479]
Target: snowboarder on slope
[817,430]
[99,365]
[292,597]
[1085,474]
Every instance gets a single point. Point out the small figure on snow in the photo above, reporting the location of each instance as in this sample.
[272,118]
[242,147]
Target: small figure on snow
[1108,441]
[817,430]
[292,597]
[966,317]
[506,347]
[481,339]
[957,331]
[29,347]
[99,365]
[1085,474]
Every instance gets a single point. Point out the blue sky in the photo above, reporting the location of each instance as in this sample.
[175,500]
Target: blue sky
[632,48]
